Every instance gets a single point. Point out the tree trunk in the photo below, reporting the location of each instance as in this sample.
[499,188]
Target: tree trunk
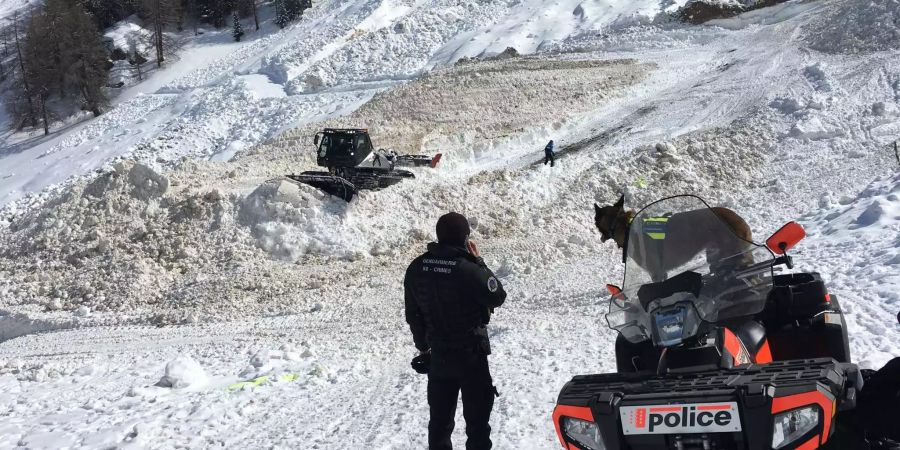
[255,16]
[44,113]
[31,114]
[89,97]
[192,13]
[158,29]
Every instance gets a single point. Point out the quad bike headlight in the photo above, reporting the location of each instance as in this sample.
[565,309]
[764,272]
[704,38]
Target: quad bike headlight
[794,424]
[584,433]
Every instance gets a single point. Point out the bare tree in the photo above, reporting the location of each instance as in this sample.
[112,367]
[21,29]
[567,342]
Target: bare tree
[193,15]
[255,15]
[136,57]
[161,15]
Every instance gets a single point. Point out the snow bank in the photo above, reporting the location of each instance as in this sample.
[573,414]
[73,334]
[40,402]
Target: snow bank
[857,26]
[13,325]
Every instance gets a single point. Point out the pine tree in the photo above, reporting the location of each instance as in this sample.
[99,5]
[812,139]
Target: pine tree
[252,4]
[4,55]
[294,9]
[85,60]
[238,29]
[43,59]
[22,106]
[61,54]
[281,14]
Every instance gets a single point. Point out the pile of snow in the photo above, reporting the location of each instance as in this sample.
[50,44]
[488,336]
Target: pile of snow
[111,244]
[857,26]
[197,244]
[183,372]
[290,221]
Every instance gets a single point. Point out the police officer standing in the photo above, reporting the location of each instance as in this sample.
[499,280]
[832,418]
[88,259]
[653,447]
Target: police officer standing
[450,294]
[549,154]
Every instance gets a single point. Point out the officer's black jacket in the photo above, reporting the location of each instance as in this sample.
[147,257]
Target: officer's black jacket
[449,297]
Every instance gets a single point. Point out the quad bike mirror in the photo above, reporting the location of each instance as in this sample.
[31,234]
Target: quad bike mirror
[786,238]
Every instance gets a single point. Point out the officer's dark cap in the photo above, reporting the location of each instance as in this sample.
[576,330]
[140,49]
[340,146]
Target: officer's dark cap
[453,229]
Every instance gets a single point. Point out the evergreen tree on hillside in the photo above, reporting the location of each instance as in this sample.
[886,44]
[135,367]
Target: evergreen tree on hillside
[21,99]
[294,9]
[238,29]
[281,14]
[85,61]
[105,13]
[61,56]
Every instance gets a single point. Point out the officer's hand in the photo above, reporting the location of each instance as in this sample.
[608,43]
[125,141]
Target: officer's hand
[473,249]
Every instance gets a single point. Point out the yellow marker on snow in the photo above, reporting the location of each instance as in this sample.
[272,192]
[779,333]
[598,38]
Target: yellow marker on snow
[285,377]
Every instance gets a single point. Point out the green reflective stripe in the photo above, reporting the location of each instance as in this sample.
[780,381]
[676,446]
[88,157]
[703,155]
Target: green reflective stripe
[655,227]
[289,377]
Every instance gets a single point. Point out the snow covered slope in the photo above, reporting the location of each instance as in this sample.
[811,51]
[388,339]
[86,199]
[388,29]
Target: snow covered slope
[221,96]
[257,278]
[855,241]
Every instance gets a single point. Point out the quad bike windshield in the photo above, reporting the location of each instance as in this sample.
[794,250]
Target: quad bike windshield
[684,265]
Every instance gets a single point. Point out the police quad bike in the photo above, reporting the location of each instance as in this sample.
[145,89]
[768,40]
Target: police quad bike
[717,347]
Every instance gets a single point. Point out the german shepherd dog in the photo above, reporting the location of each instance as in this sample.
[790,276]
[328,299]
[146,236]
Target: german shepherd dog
[705,231]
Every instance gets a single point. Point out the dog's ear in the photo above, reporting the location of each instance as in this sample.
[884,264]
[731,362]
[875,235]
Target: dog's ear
[621,202]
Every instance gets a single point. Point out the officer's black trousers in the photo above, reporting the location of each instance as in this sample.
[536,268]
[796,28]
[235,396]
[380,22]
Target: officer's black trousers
[449,374]
[550,159]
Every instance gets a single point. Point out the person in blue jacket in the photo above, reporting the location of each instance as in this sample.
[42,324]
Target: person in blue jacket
[549,155]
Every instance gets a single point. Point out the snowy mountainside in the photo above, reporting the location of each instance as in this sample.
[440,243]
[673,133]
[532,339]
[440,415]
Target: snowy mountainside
[221,97]
[253,277]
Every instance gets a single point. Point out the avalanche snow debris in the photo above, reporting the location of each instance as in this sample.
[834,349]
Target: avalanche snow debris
[854,26]
[212,245]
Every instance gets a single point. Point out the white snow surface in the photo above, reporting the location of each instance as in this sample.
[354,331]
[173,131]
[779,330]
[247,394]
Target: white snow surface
[334,59]
[299,295]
